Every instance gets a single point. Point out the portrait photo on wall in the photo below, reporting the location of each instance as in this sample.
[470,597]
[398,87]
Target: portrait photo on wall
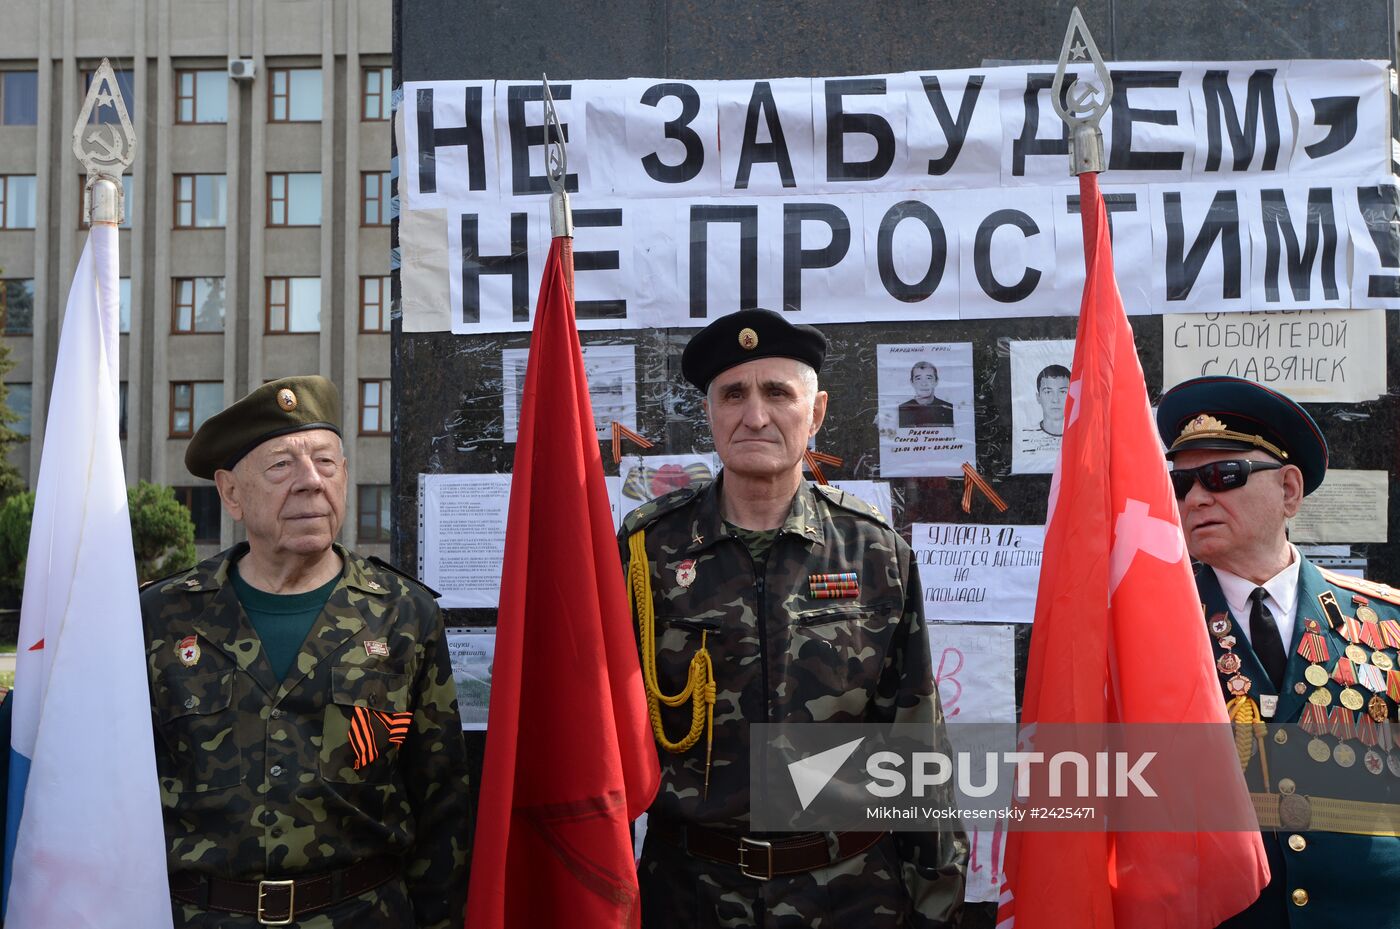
[1039,386]
[925,409]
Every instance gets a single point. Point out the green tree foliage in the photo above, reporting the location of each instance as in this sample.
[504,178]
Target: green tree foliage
[11,480]
[162,534]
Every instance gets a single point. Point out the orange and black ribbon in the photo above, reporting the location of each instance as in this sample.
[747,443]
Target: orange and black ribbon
[975,480]
[362,732]
[620,432]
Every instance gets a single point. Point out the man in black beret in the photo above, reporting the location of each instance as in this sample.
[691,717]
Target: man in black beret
[311,760]
[788,602]
[1304,651]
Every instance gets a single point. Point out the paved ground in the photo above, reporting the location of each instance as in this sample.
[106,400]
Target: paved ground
[7,661]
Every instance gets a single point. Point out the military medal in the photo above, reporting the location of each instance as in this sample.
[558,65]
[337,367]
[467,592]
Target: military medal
[1345,675]
[1268,705]
[1371,633]
[1370,677]
[1239,685]
[834,586]
[1368,736]
[1357,654]
[1320,697]
[1219,625]
[685,572]
[376,648]
[1377,709]
[1392,685]
[1365,613]
[1300,688]
[1381,660]
[188,650]
[1228,663]
[1390,633]
[1314,723]
[1342,725]
[1315,675]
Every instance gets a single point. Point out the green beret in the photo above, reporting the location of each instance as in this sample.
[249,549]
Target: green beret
[290,404]
[744,336]
[1234,414]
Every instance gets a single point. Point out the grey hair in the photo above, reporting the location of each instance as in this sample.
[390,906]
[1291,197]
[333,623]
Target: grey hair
[806,375]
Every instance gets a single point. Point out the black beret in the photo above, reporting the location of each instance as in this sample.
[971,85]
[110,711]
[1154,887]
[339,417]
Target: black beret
[1235,414]
[743,336]
[290,404]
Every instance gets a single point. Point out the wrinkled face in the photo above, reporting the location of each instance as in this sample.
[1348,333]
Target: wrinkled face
[1235,526]
[924,381]
[1051,396]
[762,413]
[289,493]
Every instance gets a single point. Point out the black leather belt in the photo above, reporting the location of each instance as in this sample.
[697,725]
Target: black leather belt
[763,859]
[279,902]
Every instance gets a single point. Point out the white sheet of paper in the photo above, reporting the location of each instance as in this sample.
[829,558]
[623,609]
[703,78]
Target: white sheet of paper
[473,651]
[1350,506]
[922,435]
[1314,356]
[1038,402]
[875,493]
[978,573]
[975,669]
[612,387]
[462,536]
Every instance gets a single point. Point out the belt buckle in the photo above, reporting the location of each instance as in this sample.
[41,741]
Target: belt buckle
[263,887]
[747,845]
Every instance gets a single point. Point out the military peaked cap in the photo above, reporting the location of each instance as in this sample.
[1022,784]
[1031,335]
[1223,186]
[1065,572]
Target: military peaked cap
[744,336]
[290,404]
[1234,414]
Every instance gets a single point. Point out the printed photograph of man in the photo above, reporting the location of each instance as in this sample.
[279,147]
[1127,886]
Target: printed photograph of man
[1051,388]
[925,408]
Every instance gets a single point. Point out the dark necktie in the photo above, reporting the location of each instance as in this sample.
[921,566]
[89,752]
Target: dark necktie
[1263,635]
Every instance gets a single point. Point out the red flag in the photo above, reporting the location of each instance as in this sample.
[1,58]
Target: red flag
[569,755]
[1119,638]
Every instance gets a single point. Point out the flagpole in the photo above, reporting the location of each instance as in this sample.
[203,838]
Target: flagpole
[1083,112]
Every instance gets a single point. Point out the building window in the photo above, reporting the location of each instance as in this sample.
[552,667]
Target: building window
[374,408]
[376,96]
[374,198]
[191,403]
[124,305]
[199,305]
[205,511]
[17,305]
[201,96]
[199,200]
[294,199]
[20,400]
[121,415]
[373,509]
[294,95]
[293,305]
[108,114]
[374,304]
[128,202]
[17,201]
[19,98]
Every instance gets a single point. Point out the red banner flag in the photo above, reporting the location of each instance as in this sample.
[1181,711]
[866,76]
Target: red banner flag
[569,755]
[1119,638]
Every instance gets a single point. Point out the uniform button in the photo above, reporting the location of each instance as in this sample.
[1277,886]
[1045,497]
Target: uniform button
[275,770]
[276,833]
[276,714]
[1286,785]
[190,702]
[1297,843]
[1300,897]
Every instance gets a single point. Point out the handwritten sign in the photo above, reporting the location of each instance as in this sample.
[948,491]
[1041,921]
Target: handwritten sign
[978,573]
[1314,356]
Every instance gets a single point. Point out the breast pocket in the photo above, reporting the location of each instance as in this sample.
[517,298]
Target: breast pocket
[367,719]
[198,727]
[839,651]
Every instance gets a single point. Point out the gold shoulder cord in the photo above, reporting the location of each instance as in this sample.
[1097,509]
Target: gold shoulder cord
[699,688]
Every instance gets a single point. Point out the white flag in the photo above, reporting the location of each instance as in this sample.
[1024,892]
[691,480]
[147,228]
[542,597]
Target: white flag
[85,846]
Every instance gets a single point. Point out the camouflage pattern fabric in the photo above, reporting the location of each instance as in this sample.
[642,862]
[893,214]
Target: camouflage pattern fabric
[783,656]
[259,778]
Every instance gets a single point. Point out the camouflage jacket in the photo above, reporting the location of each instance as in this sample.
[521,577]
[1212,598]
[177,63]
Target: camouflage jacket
[260,779]
[782,656]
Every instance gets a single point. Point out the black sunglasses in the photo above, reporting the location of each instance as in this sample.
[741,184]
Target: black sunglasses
[1219,475]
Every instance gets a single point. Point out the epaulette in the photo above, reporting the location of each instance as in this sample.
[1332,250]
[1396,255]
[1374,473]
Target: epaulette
[161,580]
[852,503]
[1362,586]
[381,563]
[652,510]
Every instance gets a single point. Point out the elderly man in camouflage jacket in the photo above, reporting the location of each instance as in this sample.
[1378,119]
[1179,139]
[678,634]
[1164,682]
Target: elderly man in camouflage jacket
[728,569]
[311,760]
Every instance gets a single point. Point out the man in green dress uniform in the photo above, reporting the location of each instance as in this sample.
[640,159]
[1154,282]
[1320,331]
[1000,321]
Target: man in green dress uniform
[1310,654]
[789,602]
[311,760]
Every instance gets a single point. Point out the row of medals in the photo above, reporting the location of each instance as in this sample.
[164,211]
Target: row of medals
[1314,648]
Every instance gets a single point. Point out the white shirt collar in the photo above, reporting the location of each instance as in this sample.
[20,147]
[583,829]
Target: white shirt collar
[1282,600]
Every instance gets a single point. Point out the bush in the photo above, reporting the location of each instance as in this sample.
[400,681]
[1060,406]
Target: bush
[162,534]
